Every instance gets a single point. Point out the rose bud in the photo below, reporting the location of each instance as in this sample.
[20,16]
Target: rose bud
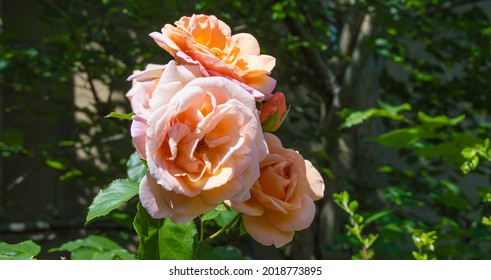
[273,112]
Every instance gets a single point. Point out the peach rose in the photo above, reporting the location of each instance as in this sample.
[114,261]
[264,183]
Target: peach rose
[203,143]
[282,199]
[210,42]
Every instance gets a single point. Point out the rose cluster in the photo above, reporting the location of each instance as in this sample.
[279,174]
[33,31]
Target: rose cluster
[197,125]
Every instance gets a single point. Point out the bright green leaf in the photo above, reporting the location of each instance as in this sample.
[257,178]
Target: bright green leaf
[438,121]
[120,116]
[25,250]
[163,239]
[404,137]
[110,198]
[95,247]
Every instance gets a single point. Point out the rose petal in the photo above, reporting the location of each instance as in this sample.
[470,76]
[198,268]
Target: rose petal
[247,44]
[296,219]
[138,133]
[152,200]
[315,181]
[263,232]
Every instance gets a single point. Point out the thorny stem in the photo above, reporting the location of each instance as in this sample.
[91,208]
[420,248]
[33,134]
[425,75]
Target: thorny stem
[222,230]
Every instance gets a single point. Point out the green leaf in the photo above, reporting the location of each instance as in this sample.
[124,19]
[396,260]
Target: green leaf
[95,247]
[225,217]
[446,149]
[56,164]
[210,215]
[394,110]
[353,206]
[207,252]
[25,250]
[91,254]
[163,239]
[120,116]
[486,221]
[404,137]
[136,168]
[110,198]
[438,121]
[385,111]
[356,118]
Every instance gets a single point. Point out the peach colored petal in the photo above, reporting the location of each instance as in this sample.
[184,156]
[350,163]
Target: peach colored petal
[263,232]
[164,42]
[173,79]
[315,181]
[151,72]
[260,64]
[161,203]
[247,44]
[296,219]
[152,200]
[224,91]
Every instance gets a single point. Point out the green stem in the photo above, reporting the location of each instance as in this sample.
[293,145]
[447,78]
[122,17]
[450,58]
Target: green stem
[222,230]
[201,233]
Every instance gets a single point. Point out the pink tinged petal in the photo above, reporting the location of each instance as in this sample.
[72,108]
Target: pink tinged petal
[138,133]
[315,181]
[152,198]
[183,58]
[264,84]
[296,219]
[173,79]
[212,63]
[263,232]
[225,90]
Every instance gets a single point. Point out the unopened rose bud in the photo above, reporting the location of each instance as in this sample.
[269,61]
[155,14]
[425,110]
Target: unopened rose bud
[273,112]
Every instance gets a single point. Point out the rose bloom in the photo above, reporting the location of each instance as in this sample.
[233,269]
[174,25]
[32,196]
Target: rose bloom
[282,199]
[203,143]
[210,42]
